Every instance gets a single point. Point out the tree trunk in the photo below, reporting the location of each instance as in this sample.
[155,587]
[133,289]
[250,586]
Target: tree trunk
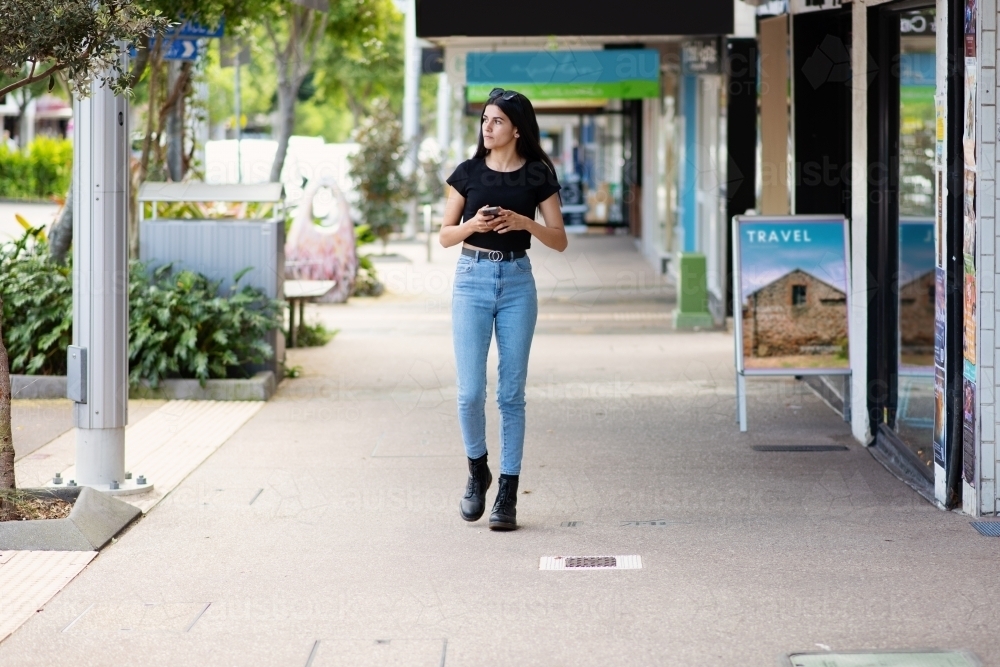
[286,123]
[61,233]
[154,92]
[133,209]
[178,77]
[171,110]
[6,436]
[303,28]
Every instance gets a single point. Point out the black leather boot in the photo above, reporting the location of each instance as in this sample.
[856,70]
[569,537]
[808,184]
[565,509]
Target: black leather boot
[474,501]
[504,509]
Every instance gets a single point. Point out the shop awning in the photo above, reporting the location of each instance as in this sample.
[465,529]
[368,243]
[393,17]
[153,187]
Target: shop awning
[534,18]
[628,74]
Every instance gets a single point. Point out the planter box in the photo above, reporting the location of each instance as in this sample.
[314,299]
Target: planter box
[93,521]
[37,386]
[220,249]
[258,388]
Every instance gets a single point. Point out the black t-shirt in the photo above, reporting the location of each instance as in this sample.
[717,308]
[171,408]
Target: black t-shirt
[521,190]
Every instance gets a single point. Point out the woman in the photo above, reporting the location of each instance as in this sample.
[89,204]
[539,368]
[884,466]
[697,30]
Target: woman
[496,195]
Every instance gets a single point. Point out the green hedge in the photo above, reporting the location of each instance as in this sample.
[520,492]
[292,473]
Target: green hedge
[179,324]
[40,172]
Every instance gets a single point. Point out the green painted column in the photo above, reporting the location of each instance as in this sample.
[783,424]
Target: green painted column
[692,293]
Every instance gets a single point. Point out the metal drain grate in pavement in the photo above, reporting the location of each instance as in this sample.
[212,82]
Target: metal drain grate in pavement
[592,561]
[988,528]
[632,562]
[799,448]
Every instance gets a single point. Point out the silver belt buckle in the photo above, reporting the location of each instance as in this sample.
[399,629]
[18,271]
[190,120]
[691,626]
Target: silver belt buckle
[497,257]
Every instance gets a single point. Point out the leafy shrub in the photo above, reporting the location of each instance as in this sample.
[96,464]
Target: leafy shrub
[42,171]
[179,324]
[377,168]
[210,210]
[37,307]
[313,335]
[366,282]
[181,327]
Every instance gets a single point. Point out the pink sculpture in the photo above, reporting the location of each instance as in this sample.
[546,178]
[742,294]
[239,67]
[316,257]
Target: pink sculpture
[313,252]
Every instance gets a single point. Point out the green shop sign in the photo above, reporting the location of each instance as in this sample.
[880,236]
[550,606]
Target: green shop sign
[628,74]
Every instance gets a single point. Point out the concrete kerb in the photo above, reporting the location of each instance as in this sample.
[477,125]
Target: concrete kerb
[258,388]
[93,521]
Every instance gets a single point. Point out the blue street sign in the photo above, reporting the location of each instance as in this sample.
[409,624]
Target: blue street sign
[180,49]
[173,49]
[195,29]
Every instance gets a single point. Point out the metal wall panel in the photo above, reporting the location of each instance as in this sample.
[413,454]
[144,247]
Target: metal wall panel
[219,249]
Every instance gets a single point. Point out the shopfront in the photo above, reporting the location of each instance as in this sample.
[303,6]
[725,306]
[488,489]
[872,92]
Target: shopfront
[589,105]
[892,123]
[909,254]
[639,140]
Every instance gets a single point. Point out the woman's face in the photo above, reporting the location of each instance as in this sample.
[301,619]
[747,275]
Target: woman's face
[498,131]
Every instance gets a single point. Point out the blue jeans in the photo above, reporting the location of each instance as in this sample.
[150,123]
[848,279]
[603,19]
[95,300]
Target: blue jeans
[488,295]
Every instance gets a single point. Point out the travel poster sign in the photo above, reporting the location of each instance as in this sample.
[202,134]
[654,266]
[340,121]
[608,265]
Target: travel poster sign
[792,289]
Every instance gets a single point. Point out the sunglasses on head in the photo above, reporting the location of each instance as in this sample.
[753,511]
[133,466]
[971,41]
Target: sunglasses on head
[506,95]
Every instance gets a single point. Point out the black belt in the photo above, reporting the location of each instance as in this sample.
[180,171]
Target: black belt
[494,255]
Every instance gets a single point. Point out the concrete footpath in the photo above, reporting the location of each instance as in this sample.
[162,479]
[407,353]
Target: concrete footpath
[326,530]
[37,215]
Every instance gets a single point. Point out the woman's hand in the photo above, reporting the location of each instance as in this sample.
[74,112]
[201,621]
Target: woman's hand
[510,221]
[482,223]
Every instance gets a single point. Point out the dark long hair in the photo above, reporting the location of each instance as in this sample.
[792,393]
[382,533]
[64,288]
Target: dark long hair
[520,112]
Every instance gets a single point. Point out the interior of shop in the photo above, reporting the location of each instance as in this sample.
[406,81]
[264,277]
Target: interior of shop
[591,149]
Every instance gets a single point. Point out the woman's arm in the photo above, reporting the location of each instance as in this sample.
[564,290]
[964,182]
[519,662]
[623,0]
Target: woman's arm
[451,231]
[552,233]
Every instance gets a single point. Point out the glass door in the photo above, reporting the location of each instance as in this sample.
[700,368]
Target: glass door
[901,249]
[915,281]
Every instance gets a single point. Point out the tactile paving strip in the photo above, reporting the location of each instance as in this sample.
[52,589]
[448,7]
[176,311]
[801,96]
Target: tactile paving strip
[169,444]
[29,579]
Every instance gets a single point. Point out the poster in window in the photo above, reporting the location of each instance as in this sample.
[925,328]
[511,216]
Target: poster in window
[939,221]
[969,430]
[940,316]
[940,419]
[793,299]
[969,118]
[969,307]
[940,357]
[969,215]
[970,28]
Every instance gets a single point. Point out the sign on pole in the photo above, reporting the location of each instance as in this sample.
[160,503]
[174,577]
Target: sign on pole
[792,297]
[180,49]
[194,29]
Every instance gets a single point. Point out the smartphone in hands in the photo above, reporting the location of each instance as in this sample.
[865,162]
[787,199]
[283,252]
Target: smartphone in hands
[491,211]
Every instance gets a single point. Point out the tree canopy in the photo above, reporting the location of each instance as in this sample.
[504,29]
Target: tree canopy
[79,38]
